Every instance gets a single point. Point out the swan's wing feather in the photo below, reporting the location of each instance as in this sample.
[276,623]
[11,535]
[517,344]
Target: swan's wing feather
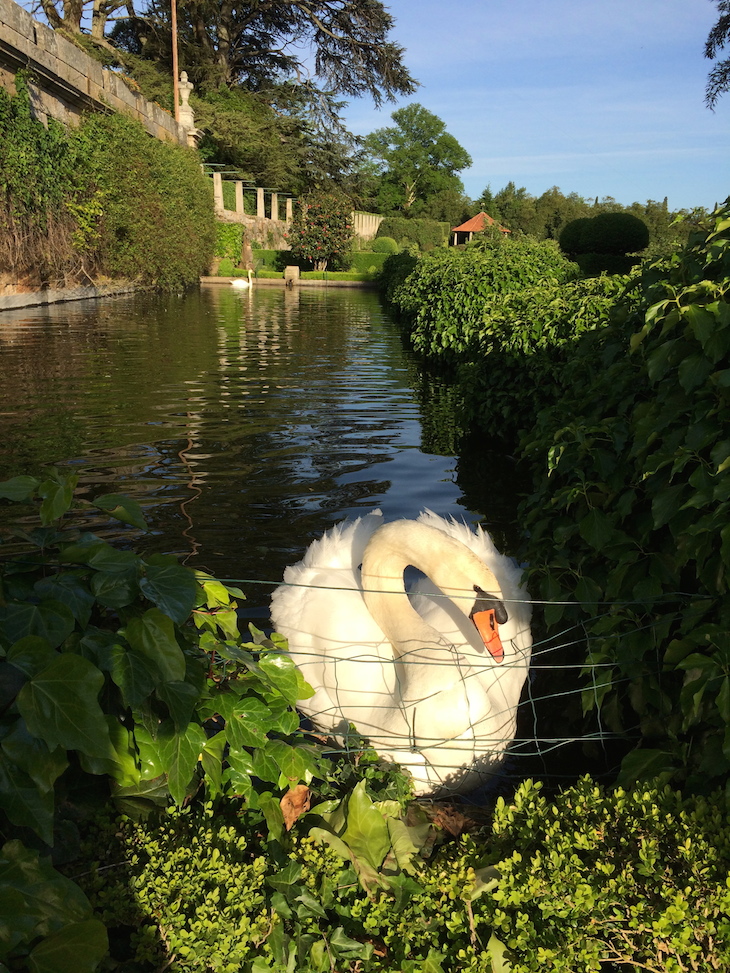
[321,612]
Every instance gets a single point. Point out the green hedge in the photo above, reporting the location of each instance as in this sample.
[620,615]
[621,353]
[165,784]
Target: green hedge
[634,510]
[425,234]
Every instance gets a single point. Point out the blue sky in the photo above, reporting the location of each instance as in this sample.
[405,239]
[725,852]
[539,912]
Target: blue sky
[598,98]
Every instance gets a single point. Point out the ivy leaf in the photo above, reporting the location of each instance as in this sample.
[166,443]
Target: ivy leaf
[121,764]
[114,590]
[31,654]
[18,488]
[122,508]
[25,804]
[153,634]
[181,698]
[246,723]
[42,765]
[171,587]
[48,896]
[282,673]
[643,765]
[70,590]
[134,673]
[211,758]
[50,620]
[292,763]
[60,705]
[77,948]
[179,753]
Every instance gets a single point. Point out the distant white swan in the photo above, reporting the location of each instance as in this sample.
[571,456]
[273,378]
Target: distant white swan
[240,284]
[433,676]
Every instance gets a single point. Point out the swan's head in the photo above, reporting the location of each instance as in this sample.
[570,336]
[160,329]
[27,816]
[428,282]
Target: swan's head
[488,614]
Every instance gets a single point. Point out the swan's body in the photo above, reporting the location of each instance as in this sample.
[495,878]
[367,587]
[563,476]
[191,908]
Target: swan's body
[240,284]
[411,670]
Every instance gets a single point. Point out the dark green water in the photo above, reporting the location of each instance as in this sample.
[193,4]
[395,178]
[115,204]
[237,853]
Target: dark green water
[244,423]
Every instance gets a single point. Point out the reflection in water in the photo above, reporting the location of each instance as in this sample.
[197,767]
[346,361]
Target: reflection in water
[246,423]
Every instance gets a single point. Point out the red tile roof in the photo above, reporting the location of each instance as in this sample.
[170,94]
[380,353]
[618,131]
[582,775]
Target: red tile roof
[476,224]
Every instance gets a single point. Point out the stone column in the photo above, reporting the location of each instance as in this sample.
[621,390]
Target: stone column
[218,190]
[239,198]
[289,209]
[260,208]
[275,207]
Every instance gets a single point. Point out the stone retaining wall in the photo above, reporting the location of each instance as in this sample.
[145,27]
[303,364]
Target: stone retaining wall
[67,82]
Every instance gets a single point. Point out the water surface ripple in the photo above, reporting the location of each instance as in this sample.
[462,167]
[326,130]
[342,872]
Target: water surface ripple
[245,423]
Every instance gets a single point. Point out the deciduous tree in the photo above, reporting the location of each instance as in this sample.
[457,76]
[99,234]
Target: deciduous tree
[414,159]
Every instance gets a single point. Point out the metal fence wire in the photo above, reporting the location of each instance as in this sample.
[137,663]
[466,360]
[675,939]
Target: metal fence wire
[506,739]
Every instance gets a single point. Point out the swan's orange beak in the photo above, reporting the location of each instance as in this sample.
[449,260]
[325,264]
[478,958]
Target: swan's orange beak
[486,623]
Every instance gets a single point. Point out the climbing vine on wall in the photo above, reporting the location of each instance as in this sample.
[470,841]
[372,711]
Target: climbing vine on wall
[104,199]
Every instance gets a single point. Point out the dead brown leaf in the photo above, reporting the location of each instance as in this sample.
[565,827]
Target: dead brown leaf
[294,803]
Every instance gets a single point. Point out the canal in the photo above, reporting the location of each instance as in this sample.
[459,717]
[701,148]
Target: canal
[244,423]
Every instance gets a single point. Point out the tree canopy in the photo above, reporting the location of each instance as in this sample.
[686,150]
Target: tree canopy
[339,46]
[718,80]
[414,161]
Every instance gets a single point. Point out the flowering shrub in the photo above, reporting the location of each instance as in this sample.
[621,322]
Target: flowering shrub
[322,230]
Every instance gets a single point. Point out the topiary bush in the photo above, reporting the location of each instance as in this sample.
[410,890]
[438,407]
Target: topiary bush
[608,233]
[321,232]
[385,244]
[444,297]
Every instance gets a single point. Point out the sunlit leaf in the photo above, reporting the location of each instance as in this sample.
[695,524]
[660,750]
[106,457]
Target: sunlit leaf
[366,832]
[180,753]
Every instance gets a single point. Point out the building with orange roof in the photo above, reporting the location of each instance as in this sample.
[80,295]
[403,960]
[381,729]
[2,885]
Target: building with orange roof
[465,232]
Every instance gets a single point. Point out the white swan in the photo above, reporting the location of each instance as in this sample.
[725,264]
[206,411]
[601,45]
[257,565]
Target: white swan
[240,284]
[432,677]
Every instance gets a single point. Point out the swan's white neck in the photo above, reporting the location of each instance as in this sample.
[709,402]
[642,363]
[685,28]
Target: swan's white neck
[448,563]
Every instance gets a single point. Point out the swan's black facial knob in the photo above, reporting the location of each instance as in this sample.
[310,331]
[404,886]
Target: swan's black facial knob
[488,614]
